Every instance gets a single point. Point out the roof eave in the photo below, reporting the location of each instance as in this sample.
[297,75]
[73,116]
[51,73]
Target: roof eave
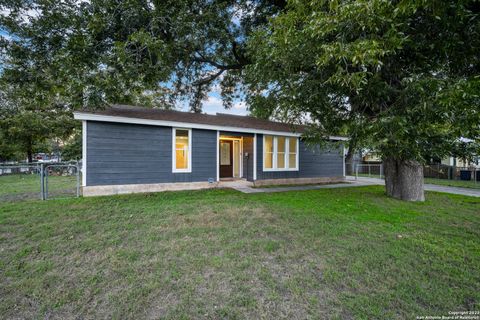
[84,116]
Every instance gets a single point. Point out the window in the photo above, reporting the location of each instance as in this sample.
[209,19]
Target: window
[292,153]
[225,153]
[280,153]
[268,151]
[182,151]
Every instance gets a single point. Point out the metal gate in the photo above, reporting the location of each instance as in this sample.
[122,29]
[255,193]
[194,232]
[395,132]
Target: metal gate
[59,181]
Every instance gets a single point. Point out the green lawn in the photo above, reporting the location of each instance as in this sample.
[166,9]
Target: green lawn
[347,253]
[454,183]
[27,186]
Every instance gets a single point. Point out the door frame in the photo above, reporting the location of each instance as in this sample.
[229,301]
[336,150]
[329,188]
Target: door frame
[240,140]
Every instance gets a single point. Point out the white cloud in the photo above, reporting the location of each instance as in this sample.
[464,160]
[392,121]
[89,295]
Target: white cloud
[212,104]
[24,15]
[240,105]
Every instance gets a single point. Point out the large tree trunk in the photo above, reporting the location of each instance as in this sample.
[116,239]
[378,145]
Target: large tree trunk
[29,155]
[352,146]
[404,179]
[29,151]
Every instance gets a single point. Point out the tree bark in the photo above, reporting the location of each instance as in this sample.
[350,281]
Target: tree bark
[404,179]
[29,152]
[352,146]
[29,156]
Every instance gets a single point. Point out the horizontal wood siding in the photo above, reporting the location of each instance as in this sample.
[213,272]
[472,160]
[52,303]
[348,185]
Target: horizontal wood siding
[248,163]
[136,154]
[313,162]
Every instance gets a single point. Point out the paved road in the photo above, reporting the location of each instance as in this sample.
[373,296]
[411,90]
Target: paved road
[355,183]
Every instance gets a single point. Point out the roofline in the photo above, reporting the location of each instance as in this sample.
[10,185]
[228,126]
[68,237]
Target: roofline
[178,124]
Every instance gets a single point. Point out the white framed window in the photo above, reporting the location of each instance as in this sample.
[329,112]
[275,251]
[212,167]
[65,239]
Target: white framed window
[268,152]
[280,153]
[181,150]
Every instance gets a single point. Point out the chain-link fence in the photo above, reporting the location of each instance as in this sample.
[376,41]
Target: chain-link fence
[372,170]
[435,174]
[23,181]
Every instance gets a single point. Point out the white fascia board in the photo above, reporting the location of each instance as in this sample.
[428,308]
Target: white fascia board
[254,157]
[84,153]
[189,125]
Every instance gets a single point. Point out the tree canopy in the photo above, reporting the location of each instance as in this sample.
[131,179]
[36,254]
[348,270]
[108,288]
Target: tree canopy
[92,53]
[402,74]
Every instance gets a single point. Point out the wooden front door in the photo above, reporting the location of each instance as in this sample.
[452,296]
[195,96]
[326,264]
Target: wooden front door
[226,158]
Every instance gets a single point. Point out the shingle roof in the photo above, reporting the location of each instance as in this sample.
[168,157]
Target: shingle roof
[220,119]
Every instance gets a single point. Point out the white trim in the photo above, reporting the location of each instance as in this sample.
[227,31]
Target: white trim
[187,125]
[174,153]
[218,155]
[84,153]
[343,159]
[236,156]
[275,155]
[241,157]
[254,157]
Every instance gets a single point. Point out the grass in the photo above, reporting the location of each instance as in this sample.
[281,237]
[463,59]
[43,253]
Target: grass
[27,186]
[454,183]
[348,253]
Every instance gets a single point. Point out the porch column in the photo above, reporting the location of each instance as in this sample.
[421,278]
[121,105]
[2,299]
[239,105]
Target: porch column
[254,157]
[218,155]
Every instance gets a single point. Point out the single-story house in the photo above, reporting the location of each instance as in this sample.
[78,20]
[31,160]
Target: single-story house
[130,149]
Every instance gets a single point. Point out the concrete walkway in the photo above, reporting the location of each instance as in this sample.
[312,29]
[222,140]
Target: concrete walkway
[350,182]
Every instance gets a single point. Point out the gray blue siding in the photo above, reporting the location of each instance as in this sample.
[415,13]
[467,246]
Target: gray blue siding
[135,154]
[120,153]
[313,163]
[248,162]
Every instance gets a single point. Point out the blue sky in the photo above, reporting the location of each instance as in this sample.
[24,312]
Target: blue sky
[214,104]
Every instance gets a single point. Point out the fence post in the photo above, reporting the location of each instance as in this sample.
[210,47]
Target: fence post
[42,182]
[78,179]
[356,171]
[46,183]
[381,170]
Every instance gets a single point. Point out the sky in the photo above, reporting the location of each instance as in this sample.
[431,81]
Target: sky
[214,104]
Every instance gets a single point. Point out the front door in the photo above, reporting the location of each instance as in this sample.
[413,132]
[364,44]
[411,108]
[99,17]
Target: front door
[226,158]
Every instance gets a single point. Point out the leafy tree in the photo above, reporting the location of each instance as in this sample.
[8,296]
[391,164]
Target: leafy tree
[27,118]
[403,75]
[94,53]
[72,149]
[26,131]
[8,151]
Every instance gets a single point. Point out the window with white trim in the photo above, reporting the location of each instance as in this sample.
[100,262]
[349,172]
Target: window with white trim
[182,150]
[280,153]
[268,152]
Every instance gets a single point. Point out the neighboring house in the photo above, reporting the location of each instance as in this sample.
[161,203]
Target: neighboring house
[130,149]
[461,163]
[371,157]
